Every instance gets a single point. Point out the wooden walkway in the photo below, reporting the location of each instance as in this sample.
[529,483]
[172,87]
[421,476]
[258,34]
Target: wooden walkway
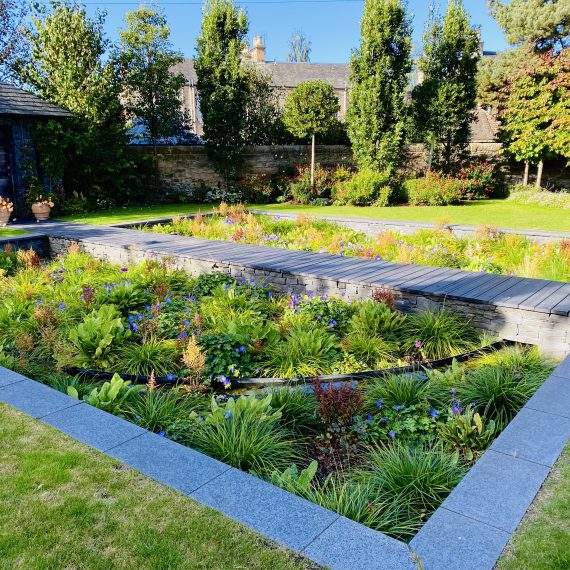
[539,295]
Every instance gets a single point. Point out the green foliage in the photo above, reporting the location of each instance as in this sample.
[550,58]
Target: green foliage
[468,433]
[365,188]
[433,190]
[377,319]
[304,192]
[304,351]
[544,24]
[440,333]
[416,479]
[127,297]
[228,357]
[207,283]
[379,77]
[389,391]
[110,397]
[297,407]
[150,88]
[311,109]
[160,356]
[65,66]
[222,84]
[330,312]
[295,481]
[444,100]
[531,195]
[12,42]
[94,342]
[246,434]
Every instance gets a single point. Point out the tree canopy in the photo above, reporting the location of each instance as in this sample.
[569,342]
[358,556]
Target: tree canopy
[377,113]
[299,48]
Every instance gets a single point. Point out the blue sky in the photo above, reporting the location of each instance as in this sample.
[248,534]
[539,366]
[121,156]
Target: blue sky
[331,25]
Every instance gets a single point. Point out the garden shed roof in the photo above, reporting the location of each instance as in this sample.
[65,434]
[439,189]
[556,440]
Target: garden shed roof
[16,101]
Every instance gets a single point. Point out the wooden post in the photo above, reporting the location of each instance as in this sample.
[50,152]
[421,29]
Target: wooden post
[313,163]
[539,173]
[526,171]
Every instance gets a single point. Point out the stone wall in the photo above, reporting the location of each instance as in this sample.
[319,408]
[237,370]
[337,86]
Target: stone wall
[190,165]
[550,332]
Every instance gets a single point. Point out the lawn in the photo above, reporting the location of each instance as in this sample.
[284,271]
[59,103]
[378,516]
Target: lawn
[9,232]
[136,213]
[65,505]
[498,213]
[543,539]
[491,212]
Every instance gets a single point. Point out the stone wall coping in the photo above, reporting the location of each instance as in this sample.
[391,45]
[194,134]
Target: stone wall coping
[469,531]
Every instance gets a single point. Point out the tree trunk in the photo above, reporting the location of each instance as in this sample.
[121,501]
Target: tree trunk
[526,172]
[539,174]
[313,163]
[430,155]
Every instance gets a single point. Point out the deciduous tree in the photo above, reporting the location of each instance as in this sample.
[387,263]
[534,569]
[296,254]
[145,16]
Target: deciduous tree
[151,90]
[299,48]
[223,85]
[12,14]
[445,99]
[311,109]
[377,113]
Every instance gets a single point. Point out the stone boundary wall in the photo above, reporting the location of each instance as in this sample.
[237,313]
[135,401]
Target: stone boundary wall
[189,165]
[550,332]
[38,242]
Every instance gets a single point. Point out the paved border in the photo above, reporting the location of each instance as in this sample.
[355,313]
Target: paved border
[469,531]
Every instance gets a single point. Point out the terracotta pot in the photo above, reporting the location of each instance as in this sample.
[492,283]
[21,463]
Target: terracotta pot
[41,211]
[4,217]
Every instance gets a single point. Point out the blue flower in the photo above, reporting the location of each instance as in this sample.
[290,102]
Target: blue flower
[124,269]
[61,306]
[433,413]
[379,403]
[135,327]
[242,349]
[170,377]
[398,407]
[186,323]
[332,324]
[392,434]
[148,308]
[223,380]
[370,418]
[161,433]
[228,415]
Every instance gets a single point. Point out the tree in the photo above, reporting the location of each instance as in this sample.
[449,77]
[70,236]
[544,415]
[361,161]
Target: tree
[65,66]
[536,119]
[12,14]
[150,88]
[444,100]
[311,109]
[300,48]
[544,24]
[379,76]
[223,85]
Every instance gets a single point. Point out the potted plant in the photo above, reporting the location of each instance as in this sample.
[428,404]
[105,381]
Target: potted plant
[6,209]
[40,200]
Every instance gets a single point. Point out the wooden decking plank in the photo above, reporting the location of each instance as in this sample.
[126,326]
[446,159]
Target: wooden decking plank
[562,308]
[540,296]
[548,304]
[476,284]
[520,292]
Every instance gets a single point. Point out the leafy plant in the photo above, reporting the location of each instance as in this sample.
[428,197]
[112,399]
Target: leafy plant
[365,188]
[377,320]
[297,407]
[389,391]
[160,356]
[110,397]
[433,190]
[302,352]
[245,433]
[295,481]
[468,433]
[436,333]
[94,342]
[127,296]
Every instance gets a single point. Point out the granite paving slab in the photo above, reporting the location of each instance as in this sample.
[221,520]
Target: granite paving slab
[553,397]
[8,377]
[497,490]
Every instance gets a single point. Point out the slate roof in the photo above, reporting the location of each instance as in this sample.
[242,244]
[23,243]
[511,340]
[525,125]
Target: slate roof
[286,74]
[16,101]
[484,128]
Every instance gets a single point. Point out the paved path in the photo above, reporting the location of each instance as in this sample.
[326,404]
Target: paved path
[539,295]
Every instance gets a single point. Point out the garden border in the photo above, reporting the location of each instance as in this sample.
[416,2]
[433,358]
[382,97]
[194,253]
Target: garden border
[469,530]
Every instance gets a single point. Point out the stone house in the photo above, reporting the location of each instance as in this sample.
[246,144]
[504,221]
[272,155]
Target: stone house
[285,76]
[19,110]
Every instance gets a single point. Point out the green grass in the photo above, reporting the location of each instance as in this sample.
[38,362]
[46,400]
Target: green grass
[542,541]
[136,213]
[486,212]
[65,505]
[8,232]
[489,212]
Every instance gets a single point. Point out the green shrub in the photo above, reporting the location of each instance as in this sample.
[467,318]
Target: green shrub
[207,283]
[438,333]
[414,478]
[140,359]
[94,342]
[531,195]
[481,180]
[302,352]
[365,188]
[389,391]
[330,312]
[433,190]
[377,320]
[297,407]
[245,433]
[295,481]
[373,351]
[301,190]
[127,297]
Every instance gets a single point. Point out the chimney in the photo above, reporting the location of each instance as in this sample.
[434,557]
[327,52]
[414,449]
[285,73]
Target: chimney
[258,50]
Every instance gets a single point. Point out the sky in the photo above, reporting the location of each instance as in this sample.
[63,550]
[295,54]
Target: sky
[332,26]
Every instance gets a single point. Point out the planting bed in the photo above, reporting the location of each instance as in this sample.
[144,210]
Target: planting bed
[384,453]
[490,251]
